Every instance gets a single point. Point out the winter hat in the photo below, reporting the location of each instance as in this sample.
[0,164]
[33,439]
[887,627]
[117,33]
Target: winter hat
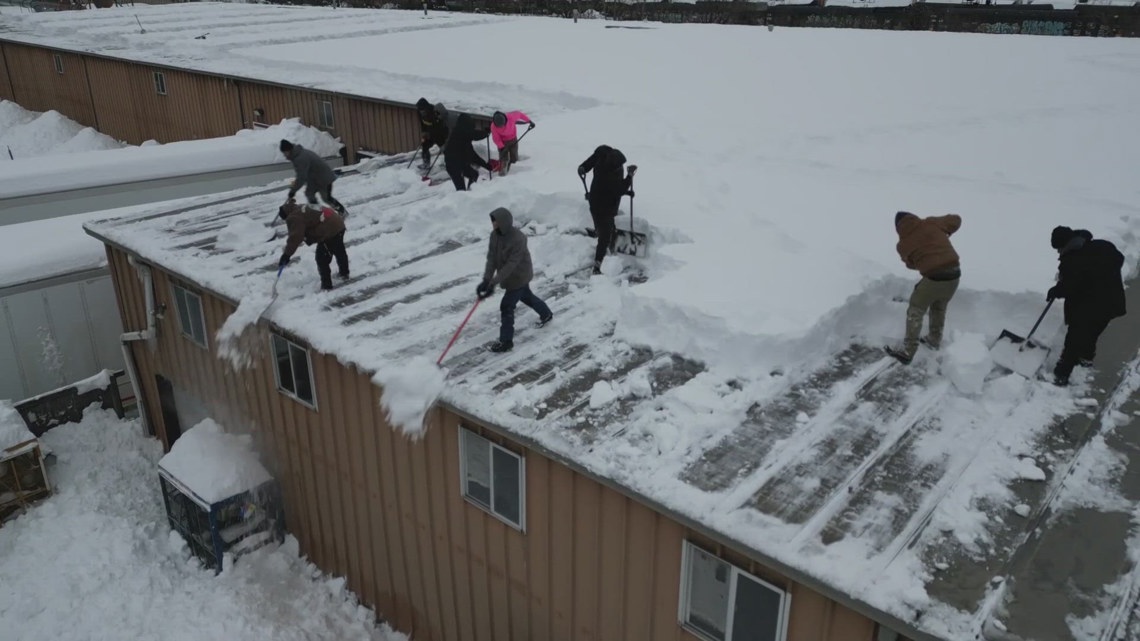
[282,213]
[500,119]
[286,145]
[422,104]
[1061,236]
[900,215]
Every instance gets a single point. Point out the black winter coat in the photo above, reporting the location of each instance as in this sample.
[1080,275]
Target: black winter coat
[610,182]
[460,147]
[1090,279]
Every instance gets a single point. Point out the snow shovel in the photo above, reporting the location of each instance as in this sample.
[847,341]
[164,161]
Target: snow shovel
[459,329]
[631,243]
[427,174]
[1020,355]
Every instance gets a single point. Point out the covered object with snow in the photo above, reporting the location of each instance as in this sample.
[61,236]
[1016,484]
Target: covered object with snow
[23,473]
[218,496]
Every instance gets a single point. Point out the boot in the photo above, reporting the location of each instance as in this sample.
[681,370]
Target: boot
[498,346]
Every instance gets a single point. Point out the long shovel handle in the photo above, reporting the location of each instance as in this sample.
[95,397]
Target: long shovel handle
[457,330]
[1035,325]
[584,187]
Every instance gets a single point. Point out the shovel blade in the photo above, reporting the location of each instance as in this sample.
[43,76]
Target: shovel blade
[631,243]
[1018,355]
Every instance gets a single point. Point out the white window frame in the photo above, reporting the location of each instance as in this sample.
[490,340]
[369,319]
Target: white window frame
[182,295]
[464,435]
[325,117]
[160,83]
[58,60]
[292,369]
[687,550]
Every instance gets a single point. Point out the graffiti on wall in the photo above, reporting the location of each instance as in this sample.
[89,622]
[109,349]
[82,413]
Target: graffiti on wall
[1029,27]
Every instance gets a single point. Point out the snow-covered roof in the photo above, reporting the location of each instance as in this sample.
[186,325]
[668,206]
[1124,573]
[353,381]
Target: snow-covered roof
[733,375]
[104,167]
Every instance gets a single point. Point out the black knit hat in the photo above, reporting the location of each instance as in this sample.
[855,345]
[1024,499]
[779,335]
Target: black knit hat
[900,215]
[1061,236]
[286,145]
[499,118]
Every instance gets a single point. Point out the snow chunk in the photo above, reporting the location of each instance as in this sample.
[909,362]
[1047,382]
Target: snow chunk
[102,380]
[213,464]
[13,430]
[409,391]
[1021,510]
[802,418]
[967,362]
[1026,468]
[241,231]
[603,393]
[234,345]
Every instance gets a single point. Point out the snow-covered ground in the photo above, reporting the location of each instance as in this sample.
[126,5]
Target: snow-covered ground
[98,560]
[772,165]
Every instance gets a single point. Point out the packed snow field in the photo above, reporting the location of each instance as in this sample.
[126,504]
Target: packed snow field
[97,560]
[728,374]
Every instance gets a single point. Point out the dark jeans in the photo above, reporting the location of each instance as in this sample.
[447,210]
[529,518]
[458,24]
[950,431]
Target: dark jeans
[425,149]
[326,251]
[511,298]
[311,192]
[1080,344]
[606,229]
[458,172]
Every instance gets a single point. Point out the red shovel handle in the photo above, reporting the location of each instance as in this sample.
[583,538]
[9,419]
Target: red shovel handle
[459,329]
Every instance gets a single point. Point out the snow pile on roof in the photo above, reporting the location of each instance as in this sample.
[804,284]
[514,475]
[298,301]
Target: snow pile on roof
[13,429]
[213,464]
[31,134]
[246,148]
[98,561]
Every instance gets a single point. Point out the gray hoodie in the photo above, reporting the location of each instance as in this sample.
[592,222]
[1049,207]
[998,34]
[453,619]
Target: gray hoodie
[508,259]
[311,169]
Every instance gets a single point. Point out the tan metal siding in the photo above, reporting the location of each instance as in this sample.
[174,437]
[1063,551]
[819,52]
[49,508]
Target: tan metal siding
[113,99]
[387,512]
[39,87]
[6,91]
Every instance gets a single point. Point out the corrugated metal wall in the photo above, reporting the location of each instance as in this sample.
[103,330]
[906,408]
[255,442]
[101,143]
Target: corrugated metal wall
[387,513]
[6,91]
[119,98]
[37,84]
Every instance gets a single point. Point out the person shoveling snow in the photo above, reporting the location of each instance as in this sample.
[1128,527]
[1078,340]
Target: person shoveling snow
[924,246]
[323,227]
[509,265]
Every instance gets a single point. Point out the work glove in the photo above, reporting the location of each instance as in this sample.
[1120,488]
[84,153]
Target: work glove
[282,263]
[631,171]
[630,193]
[291,196]
[581,171]
[1053,293]
[484,290]
[530,126]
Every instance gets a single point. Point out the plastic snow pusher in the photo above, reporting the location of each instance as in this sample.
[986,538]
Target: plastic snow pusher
[1020,355]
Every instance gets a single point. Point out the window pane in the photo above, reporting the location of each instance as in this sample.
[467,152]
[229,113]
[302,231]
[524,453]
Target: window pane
[180,305]
[507,503]
[756,613]
[301,373]
[708,593]
[197,322]
[284,370]
[477,461]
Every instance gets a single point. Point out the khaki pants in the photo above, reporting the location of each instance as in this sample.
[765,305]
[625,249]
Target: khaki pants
[932,295]
[507,155]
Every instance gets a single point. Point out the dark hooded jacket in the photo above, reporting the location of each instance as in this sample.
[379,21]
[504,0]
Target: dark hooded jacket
[309,224]
[310,169]
[460,147]
[508,259]
[1089,277]
[432,124]
[610,182]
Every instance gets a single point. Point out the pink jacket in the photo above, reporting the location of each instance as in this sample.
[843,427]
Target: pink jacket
[508,132]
